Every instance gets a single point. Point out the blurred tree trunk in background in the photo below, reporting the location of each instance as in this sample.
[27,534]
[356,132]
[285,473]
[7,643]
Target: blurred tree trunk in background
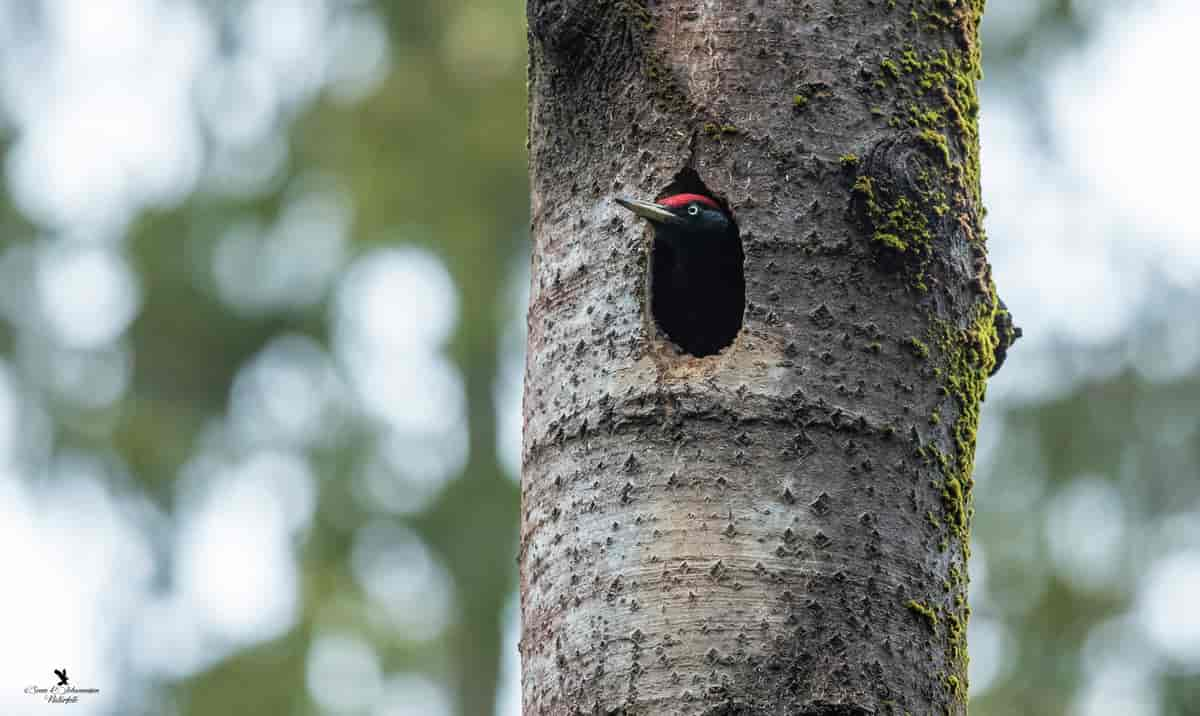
[782,528]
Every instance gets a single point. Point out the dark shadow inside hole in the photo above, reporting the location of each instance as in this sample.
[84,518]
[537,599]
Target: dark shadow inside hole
[697,272]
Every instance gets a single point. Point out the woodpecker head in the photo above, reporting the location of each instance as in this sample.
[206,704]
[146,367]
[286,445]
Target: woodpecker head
[683,217]
[697,285]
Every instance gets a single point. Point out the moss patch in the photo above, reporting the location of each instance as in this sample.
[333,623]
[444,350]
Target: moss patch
[923,610]
[716,130]
[897,223]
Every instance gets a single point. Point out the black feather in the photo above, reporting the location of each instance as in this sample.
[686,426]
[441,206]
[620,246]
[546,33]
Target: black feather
[697,281]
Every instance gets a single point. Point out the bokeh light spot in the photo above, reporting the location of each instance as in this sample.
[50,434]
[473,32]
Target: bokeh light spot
[1167,606]
[88,294]
[1085,532]
[344,673]
[396,300]
[235,558]
[414,695]
[408,587]
[286,394]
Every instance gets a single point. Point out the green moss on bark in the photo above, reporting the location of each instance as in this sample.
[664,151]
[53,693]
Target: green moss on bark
[924,611]
[927,92]
[898,224]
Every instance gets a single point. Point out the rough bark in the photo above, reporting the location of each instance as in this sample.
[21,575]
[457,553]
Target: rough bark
[781,528]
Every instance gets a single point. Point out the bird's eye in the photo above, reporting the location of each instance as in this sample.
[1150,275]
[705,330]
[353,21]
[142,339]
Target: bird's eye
[693,210]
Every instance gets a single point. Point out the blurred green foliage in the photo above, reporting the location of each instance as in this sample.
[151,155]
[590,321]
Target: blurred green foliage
[440,146]
[1080,497]
[434,156]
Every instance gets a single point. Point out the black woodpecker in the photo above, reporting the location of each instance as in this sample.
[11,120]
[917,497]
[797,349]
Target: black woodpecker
[697,282]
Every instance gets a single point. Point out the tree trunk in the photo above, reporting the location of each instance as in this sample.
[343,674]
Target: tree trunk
[781,528]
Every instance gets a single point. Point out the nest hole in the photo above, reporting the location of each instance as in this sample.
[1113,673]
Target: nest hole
[697,271]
